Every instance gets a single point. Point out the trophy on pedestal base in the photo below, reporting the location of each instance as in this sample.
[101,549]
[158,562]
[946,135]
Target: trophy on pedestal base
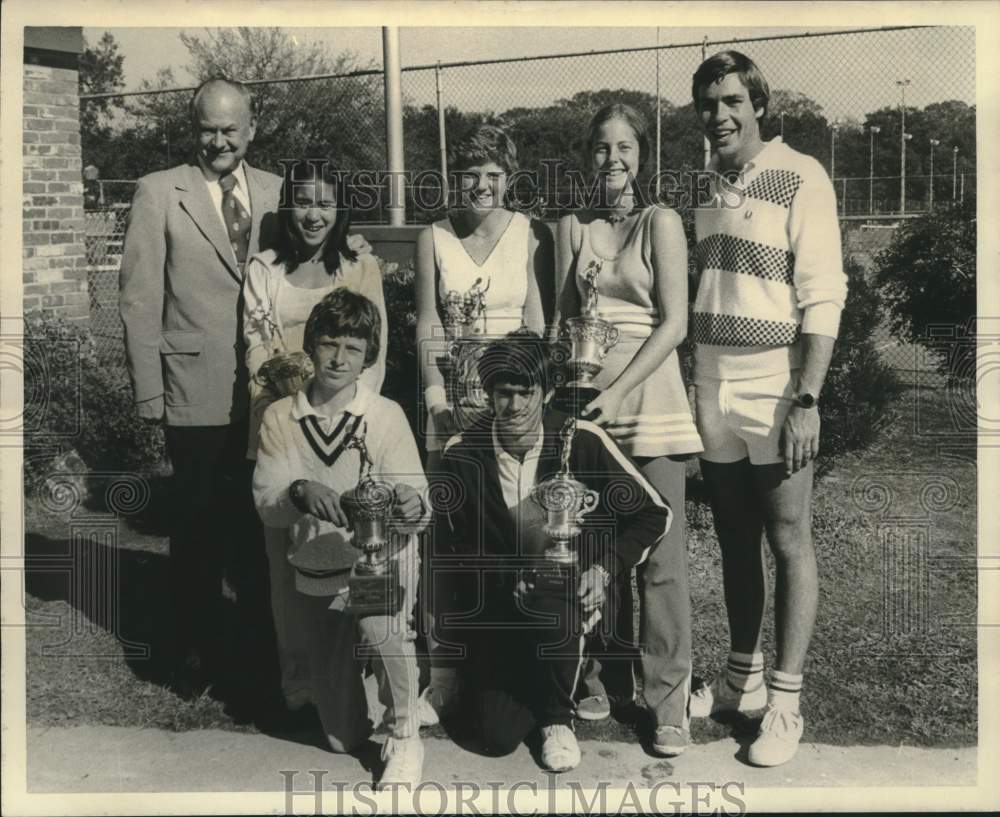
[565,500]
[374,587]
[464,330]
[587,340]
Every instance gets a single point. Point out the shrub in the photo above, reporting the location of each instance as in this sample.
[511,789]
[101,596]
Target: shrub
[402,375]
[79,397]
[860,387]
[927,276]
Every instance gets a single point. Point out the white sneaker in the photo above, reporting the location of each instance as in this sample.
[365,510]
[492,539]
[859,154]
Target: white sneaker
[719,696]
[560,751]
[404,763]
[778,738]
[426,712]
[436,699]
[671,741]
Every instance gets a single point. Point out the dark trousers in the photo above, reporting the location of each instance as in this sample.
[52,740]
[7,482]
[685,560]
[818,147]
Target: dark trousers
[216,532]
[521,674]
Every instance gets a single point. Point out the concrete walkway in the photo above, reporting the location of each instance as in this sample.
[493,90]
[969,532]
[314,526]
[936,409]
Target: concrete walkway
[118,759]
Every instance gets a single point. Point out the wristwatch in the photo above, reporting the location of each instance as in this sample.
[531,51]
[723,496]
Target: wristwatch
[806,400]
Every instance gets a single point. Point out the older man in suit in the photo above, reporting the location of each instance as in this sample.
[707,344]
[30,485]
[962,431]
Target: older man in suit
[190,231]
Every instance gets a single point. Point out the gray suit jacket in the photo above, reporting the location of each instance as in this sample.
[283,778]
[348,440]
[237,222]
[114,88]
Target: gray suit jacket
[180,297]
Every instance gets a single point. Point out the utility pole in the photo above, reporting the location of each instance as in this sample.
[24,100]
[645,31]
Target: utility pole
[930,203]
[873,131]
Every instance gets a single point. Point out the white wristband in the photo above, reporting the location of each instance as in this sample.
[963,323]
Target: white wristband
[435,397]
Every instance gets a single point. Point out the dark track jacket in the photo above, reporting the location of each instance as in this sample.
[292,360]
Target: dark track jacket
[476,552]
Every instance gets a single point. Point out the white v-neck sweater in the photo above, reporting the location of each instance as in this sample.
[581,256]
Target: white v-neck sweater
[769,254]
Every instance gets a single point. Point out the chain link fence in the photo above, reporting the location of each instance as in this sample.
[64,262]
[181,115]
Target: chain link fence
[895,133]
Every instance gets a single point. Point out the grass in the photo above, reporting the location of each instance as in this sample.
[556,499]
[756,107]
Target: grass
[914,683]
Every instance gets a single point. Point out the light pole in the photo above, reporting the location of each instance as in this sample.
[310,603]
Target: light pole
[930,203]
[954,173]
[782,126]
[902,83]
[906,138]
[873,131]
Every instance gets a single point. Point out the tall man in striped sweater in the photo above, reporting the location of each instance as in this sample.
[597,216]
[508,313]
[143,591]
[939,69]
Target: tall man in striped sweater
[765,319]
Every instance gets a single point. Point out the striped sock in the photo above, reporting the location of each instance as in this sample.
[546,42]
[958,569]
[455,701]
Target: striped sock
[783,691]
[745,671]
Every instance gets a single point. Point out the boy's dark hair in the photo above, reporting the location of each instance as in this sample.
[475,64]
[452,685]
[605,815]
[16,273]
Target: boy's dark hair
[311,171]
[345,313]
[521,358]
[716,67]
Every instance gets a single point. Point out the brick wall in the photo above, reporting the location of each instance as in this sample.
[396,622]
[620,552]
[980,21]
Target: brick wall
[55,261]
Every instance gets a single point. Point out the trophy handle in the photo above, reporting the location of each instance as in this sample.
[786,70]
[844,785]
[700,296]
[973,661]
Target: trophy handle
[590,500]
[613,335]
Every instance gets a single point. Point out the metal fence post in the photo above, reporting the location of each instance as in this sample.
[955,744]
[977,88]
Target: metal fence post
[442,141]
[706,147]
[394,125]
[658,123]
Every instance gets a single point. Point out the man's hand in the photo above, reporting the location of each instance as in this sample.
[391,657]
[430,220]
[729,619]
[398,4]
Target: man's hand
[151,410]
[409,507]
[323,503]
[358,244]
[799,443]
[591,590]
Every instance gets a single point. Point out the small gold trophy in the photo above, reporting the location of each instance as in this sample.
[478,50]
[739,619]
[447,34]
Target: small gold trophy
[590,339]
[374,587]
[466,333]
[565,500]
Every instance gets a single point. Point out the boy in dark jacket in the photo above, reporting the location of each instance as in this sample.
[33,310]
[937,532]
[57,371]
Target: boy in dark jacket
[518,649]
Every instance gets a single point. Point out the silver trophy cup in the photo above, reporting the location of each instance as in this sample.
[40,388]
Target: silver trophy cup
[565,500]
[374,587]
[587,339]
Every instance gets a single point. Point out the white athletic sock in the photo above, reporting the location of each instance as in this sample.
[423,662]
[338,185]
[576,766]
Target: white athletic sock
[745,671]
[783,691]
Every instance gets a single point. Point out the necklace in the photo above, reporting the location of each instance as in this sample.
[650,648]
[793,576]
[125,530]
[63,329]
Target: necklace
[613,217]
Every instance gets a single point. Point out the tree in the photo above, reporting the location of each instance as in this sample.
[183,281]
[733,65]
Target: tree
[927,277]
[806,127]
[101,72]
[860,387]
[341,119]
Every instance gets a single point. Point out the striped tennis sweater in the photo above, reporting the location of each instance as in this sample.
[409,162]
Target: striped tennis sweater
[768,252]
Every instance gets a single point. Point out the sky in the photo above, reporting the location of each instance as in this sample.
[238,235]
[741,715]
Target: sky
[848,75]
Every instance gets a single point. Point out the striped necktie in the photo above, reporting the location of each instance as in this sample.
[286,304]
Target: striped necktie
[237,220]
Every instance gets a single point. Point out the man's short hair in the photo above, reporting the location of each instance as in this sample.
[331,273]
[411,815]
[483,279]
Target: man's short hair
[211,82]
[486,144]
[521,358]
[345,313]
[716,67]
